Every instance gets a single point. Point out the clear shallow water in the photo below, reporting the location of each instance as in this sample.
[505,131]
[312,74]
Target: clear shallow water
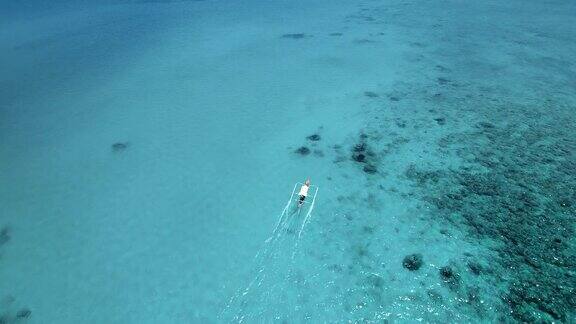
[463,112]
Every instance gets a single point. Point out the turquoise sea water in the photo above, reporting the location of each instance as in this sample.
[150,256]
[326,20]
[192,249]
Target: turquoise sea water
[148,150]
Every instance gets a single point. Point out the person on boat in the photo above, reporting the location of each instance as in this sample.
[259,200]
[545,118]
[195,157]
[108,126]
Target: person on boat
[303,192]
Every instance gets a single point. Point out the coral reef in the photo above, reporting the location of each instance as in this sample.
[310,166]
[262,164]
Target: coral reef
[302,150]
[514,192]
[450,276]
[362,154]
[413,262]
[313,137]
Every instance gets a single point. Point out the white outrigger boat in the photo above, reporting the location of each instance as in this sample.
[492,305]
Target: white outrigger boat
[300,199]
[296,199]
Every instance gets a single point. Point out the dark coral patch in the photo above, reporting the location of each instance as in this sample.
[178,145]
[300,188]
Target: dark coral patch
[371,94]
[359,157]
[442,81]
[313,137]
[401,123]
[23,313]
[449,276]
[413,262]
[361,153]
[364,41]
[486,125]
[475,267]
[434,296]
[440,120]
[4,235]
[361,147]
[302,150]
[442,68]
[120,146]
[294,36]
[370,169]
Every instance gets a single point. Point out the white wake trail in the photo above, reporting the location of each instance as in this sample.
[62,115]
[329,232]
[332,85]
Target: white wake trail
[271,266]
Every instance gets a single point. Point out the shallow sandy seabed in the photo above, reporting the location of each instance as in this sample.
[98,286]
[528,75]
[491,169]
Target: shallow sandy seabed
[149,147]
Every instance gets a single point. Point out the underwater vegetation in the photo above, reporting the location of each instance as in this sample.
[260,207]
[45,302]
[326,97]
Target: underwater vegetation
[514,193]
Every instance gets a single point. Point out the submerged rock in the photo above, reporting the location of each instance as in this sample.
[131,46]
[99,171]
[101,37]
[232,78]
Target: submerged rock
[120,146]
[412,262]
